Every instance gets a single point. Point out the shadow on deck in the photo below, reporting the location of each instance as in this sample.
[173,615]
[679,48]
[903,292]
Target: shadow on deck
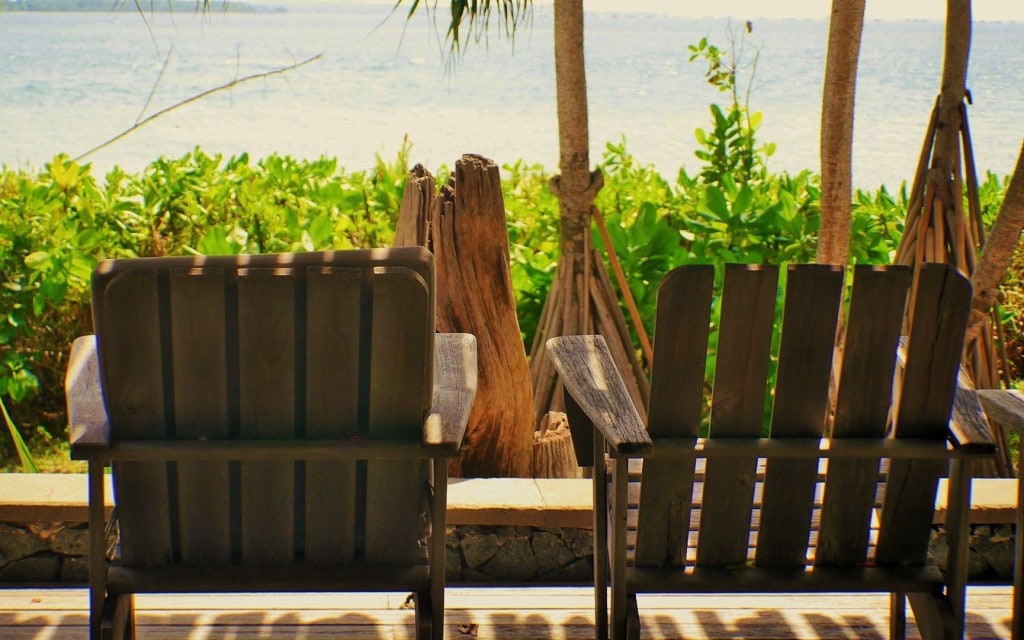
[517,613]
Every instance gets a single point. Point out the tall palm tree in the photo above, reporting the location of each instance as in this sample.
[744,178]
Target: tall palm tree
[844,34]
[581,300]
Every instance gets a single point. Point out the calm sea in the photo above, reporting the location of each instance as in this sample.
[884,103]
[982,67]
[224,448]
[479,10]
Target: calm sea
[69,81]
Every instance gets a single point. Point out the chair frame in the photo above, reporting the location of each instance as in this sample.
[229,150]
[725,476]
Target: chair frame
[1006,408]
[597,403]
[111,587]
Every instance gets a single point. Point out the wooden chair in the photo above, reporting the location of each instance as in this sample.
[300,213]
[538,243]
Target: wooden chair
[1006,408]
[751,524]
[274,423]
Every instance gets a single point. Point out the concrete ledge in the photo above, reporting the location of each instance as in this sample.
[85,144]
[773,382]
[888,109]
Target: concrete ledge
[481,501]
[47,497]
[993,501]
[520,501]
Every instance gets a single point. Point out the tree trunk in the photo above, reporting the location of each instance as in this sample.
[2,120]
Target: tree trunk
[844,35]
[466,229]
[998,250]
[576,187]
[938,227]
[945,158]
[567,308]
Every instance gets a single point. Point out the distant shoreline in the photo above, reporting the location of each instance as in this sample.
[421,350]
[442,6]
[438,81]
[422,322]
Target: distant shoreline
[155,6]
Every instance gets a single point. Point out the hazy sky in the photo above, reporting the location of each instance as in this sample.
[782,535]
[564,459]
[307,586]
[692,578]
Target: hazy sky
[744,9]
[876,9]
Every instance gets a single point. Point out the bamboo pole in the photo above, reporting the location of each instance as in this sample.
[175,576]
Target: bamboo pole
[627,294]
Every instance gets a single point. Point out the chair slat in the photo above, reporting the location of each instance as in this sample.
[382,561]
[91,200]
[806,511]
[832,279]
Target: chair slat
[813,296]
[197,309]
[681,335]
[677,394]
[400,360]
[132,369]
[737,408]
[926,400]
[266,348]
[862,408]
[333,331]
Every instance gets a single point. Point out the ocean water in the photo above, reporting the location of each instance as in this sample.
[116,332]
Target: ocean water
[69,81]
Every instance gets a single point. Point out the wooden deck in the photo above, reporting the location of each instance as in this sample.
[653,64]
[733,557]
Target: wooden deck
[509,613]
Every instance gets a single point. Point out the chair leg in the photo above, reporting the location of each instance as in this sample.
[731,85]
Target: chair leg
[437,616]
[601,566]
[433,605]
[620,597]
[632,618]
[934,616]
[897,615]
[127,605]
[104,628]
[426,620]
[118,621]
[99,603]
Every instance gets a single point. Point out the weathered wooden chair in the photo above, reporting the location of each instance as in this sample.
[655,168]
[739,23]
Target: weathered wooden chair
[1006,407]
[742,531]
[274,423]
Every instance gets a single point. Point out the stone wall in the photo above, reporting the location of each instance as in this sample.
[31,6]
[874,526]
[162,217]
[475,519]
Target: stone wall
[486,554]
[40,552]
[44,553]
[991,553]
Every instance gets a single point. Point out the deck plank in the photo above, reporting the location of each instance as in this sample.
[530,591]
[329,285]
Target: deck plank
[482,613]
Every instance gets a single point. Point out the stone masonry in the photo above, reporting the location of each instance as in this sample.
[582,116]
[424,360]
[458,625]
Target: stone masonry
[46,553]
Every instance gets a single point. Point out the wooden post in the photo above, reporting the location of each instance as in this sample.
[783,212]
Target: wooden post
[465,227]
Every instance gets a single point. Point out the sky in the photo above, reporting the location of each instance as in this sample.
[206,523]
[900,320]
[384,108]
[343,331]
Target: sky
[875,9]
[987,10]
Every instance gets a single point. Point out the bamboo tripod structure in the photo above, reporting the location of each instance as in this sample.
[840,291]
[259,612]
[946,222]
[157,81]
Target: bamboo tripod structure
[595,310]
[939,229]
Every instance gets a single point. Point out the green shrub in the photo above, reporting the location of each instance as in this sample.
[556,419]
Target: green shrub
[55,225]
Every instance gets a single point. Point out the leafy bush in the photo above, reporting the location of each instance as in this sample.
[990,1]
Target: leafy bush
[57,224]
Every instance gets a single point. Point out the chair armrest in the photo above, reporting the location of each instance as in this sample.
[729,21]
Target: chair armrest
[455,379]
[589,375]
[1006,407]
[968,427]
[87,416]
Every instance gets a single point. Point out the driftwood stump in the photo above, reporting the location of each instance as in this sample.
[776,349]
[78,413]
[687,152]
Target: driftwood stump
[465,227]
[553,453]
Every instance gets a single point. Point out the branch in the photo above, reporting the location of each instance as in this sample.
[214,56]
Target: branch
[998,250]
[156,85]
[198,96]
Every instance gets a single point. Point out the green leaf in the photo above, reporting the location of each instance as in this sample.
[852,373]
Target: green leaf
[19,443]
[716,203]
[744,198]
[215,242]
[89,239]
[37,260]
[81,269]
[320,230]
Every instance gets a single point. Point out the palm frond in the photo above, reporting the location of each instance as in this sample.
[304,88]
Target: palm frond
[473,17]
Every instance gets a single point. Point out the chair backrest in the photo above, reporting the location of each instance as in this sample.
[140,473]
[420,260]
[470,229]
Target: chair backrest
[762,511]
[331,346]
